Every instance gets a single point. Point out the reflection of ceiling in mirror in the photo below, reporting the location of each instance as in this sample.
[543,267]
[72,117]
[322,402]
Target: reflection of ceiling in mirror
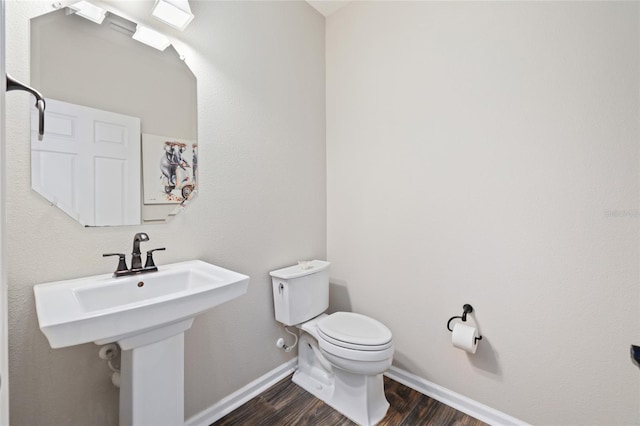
[99,66]
[113,73]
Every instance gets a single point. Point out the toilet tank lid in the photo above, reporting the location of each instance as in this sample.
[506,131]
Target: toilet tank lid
[300,270]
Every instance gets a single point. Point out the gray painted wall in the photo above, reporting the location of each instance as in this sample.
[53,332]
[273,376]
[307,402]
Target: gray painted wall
[487,153]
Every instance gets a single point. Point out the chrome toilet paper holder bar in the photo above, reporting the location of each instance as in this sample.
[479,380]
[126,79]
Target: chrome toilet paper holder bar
[466,309]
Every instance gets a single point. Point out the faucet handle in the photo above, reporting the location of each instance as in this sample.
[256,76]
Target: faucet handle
[149,263]
[122,263]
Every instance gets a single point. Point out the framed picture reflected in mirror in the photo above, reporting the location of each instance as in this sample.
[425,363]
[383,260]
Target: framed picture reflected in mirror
[169,169]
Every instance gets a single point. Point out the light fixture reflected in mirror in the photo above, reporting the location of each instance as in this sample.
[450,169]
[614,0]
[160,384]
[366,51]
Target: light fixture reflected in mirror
[175,13]
[88,11]
[141,33]
[151,37]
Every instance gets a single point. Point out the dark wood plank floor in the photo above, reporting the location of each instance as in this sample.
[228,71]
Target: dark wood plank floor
[288,404]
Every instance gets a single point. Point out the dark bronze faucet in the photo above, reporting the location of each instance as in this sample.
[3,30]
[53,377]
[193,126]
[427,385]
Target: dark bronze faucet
[136,261]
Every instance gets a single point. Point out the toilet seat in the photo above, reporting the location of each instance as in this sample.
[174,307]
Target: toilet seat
[355,331]
[355,337]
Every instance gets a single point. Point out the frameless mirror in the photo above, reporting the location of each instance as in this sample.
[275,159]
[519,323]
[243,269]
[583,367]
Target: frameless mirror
[120,144]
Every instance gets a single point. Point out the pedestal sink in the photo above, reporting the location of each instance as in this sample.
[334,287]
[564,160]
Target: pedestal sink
[147,316]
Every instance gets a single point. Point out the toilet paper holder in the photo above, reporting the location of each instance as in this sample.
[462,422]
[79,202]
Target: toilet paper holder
[466,309]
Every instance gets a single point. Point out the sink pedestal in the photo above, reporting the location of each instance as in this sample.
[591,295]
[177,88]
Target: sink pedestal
[152,377]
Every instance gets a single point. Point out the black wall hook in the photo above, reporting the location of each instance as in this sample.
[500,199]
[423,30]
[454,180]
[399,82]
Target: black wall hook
[13,84]
[466,309]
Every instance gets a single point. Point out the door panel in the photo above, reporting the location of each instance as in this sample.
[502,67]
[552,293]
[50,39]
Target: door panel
[54,174]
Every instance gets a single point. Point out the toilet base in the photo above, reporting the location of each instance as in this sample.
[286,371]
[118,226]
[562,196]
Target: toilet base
[359,397]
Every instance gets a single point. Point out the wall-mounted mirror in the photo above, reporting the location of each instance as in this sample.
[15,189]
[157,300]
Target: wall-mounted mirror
[120,144]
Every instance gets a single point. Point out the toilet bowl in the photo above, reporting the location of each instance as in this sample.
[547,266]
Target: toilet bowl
[342,356]
[345,374]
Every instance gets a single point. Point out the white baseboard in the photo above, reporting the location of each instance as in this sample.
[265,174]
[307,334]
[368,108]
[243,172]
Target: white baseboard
[243,395]
[452,399]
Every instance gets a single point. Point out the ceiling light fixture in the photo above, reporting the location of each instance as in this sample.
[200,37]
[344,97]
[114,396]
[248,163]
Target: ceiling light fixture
[175,13]
[88,11]
[151,37]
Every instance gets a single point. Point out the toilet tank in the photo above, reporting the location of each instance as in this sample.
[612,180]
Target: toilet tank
[300,292]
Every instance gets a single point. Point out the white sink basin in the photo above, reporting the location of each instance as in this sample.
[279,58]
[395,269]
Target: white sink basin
[104,309]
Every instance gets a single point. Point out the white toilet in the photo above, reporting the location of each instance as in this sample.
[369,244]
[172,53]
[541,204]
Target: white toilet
[341,357]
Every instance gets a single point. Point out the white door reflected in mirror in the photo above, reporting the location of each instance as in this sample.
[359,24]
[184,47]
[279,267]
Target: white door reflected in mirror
[88,163]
